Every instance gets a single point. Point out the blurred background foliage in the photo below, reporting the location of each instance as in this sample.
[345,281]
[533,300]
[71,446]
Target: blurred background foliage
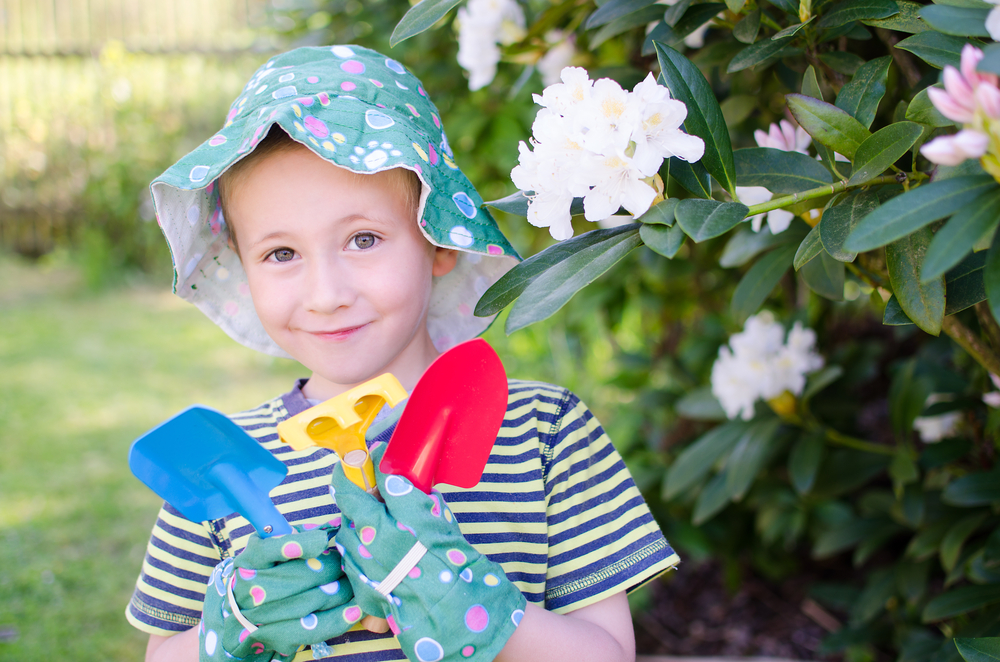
[900,555]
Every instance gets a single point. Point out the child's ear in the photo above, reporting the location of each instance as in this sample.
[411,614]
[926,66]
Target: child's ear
[445,260]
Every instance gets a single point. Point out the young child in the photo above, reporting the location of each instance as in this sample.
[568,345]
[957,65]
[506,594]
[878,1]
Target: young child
[327,221]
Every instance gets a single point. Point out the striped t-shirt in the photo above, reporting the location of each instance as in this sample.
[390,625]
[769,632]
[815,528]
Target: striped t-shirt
[556,508]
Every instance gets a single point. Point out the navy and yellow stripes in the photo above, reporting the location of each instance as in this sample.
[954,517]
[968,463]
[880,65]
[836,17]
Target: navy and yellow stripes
[556,507]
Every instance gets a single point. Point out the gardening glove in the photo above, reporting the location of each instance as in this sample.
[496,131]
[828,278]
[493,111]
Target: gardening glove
[409,562]
[277,595]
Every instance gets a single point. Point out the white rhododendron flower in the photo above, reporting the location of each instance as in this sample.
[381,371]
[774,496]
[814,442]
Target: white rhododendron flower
[482,25]
[993,20]
[760,364]
[559,56]
[597,141]
[787,138]
[933,429]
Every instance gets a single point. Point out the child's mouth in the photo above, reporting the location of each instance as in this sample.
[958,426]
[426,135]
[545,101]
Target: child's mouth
[339,334]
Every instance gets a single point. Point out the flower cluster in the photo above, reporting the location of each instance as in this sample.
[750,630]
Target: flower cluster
[760,364]
[787,138]
[482,25]
[594,140]
[972,99]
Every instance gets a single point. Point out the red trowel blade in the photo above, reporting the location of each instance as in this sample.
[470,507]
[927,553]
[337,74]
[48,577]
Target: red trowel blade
[451,420]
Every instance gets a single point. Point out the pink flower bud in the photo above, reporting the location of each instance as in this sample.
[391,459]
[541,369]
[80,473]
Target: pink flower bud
[952,150]
[988,98]
[948,106]
[972,143]
[958,87]
[971,57]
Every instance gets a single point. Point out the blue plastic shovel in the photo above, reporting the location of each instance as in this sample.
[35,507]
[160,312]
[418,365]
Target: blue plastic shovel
[207,467]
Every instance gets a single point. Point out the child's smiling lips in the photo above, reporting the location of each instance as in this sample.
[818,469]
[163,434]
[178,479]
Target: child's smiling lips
[339,334]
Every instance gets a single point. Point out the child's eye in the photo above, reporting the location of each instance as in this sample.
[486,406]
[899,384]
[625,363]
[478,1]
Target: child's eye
[283,254]
[363,241]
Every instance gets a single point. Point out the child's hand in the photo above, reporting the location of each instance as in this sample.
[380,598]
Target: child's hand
[408,561]
[277,595]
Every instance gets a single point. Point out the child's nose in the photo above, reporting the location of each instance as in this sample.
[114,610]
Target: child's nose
[329,287]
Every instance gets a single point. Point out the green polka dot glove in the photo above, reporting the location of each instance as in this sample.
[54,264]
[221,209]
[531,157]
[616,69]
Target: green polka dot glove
[280,593]
[410,564]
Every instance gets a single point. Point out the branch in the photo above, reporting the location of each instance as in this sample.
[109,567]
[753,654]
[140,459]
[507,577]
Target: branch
[822,191]
[971,343]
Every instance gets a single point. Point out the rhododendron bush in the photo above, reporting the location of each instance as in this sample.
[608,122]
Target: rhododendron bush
[761,240]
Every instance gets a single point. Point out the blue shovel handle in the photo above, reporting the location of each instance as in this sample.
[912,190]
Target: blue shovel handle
[244,497]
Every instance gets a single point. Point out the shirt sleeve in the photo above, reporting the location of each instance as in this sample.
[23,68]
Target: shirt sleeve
[602,537]
[170,590]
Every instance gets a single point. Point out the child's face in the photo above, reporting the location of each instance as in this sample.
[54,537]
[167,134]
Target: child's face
[339,273]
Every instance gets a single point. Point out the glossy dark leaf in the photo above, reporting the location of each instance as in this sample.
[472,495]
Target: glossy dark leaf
[554,287]
[979,649]
[915,209]
[779,171]
[964,291]
[704,219]
[513,283]
[907,20]
[828,124]
[712,499]
[840,220]
[625,23]
[704,119]
[824,276]
[791,30]
[695,461]
[991,59]
[991,276]
[923,302]
[694,18]
[849,11]
[955,239]
[804,461]
[951,544]
[961,600]
[692,176]
[787,6]
[665,240]
[748,457]
[754,54]
[810,247]
[843,62]
[934,48]
[614,9]
[882,149]
[958,21]
[746,30]
[759,281]
[977,489]
[662,213]
[421,17]
[860,97]
[922,111]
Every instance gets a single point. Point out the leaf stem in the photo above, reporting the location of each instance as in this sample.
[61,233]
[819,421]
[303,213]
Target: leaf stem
[855,443]
[822,191]
[971,343]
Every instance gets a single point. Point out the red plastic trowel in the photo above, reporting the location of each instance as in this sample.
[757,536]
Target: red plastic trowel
[451,420]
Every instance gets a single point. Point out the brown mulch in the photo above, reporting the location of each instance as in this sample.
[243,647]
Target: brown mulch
[692,613]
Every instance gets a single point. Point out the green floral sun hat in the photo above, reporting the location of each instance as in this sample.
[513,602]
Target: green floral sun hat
[359,110]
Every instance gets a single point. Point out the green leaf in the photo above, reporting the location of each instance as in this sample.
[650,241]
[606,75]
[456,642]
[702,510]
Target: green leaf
[922,111]
[759,281]
[845,536]
[922,302]
[843,62]
[824,276]
[840,220]
[934,48]
[980,649]
[907,20]
[978,489]
[676,11]
[735,6]
[951,545]
[779,171]
[704,219]
[956,238]
[828,124]
[804,461]
[849,11]
[818,381]
[614,9]
[738,107]
[810,84]
[961,600]
[713,498]
[625,23]
[754,54]
[746,30]
[893,314]
[695,461]
[700,405]
[662,213]
[692,176]
[861,96]
[421,17]
[991,277]
[964,291]
[882,149]
[665,240]
[915,209]
[787,6]
[791,30]
[810,247]
[695,17]
[704,119]
[991,552]
[958,21]
[554,287]
[513,283]
[749,455]
[991,59]
[745,244]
